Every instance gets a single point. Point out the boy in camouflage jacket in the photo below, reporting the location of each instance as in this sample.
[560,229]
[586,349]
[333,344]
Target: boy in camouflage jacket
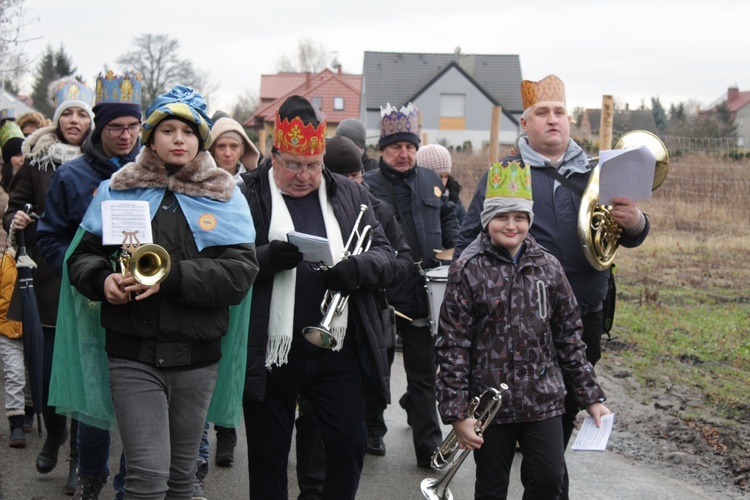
[509,316]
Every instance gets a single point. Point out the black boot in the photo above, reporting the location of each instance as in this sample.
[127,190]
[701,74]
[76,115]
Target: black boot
[57,433]
[89,487]
[17,436]
[72,483]
[226,440]
[28,420]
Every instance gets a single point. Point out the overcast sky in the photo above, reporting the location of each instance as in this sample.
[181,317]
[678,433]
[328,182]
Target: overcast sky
[633,50]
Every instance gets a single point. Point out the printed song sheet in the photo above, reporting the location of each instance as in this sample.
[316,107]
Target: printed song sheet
[121,216]
[626,172]
[592,439]
[313,248]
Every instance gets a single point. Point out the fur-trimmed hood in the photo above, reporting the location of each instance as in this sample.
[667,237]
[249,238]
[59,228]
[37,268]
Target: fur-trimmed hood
[200,177]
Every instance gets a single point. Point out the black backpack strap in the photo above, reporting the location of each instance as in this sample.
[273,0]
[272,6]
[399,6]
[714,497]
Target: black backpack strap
[552,172]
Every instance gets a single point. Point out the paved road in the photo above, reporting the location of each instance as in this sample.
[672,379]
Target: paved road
[395,476]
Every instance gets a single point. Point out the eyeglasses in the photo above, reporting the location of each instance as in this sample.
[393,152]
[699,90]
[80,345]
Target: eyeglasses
[296,168]
[118,130]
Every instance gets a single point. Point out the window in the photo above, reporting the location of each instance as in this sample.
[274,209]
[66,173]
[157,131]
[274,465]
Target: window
[338,103]
[741,142]
[452,105]
[317,102]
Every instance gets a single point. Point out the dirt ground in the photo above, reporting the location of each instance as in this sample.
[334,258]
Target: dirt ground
[706,451]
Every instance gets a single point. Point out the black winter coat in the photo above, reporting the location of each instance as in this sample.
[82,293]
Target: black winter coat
[375,268]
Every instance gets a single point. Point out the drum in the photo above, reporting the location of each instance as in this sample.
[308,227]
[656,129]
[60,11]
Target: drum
[437,282]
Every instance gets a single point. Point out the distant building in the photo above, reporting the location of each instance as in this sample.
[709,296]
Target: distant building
[8,100]
[624,120]
[455,93]
[336,94]
[739,107]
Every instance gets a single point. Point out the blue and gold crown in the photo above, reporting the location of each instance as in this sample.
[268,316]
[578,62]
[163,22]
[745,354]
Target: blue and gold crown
[118,89]
[70,89]
[7,114]
[400,125]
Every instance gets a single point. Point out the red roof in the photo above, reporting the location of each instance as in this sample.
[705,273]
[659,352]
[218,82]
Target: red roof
[739,101]
[326,85]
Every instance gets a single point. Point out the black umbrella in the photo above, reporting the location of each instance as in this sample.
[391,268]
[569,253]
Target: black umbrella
[33,336]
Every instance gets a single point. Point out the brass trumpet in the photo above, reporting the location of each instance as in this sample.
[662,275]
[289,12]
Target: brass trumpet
[597,230]
[333,304]
[149,264]
[449,457]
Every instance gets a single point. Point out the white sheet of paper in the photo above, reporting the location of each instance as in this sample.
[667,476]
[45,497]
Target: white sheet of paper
[626,172]
[121,215]
[592,439]
[313,248]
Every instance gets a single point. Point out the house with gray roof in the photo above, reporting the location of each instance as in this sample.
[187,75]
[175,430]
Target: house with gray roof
[455,93]
[8,100]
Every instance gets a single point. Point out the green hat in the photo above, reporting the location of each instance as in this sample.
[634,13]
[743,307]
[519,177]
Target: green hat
[9,130]
[508,190]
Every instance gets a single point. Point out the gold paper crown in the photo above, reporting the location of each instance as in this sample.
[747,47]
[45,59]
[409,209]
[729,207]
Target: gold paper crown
[294,137]
[509,180]
[115,89]
[550,88]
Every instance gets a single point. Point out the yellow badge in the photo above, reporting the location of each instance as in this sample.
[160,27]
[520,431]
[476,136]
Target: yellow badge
[207,222]
[438,192]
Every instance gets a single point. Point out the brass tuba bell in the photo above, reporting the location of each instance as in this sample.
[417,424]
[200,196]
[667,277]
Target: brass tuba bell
[597,230]
[150,264]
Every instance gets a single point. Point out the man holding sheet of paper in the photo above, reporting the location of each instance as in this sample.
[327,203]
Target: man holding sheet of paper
[295,192]
[548,149]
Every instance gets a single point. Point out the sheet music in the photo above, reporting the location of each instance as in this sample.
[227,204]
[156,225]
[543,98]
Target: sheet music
[119,216]
[626,172]
[313,248]
[591,438]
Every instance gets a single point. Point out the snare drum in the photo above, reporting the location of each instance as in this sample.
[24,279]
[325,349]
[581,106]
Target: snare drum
[437,282]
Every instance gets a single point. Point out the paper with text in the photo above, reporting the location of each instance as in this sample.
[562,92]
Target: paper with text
[313,248]
[591,438]
[121,216]
[626,172]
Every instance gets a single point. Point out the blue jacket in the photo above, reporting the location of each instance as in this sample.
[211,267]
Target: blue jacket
[432,218]
[70,193]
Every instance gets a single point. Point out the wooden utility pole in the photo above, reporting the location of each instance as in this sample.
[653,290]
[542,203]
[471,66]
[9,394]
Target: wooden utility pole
[495,134]
[605,128]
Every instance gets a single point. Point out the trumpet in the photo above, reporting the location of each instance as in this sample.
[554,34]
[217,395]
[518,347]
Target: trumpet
[449,457]
[149,264]
[333,304]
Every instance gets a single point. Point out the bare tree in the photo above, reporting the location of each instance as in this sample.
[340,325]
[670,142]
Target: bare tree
[311,57]
[245,105]
[156,57]
[13,61]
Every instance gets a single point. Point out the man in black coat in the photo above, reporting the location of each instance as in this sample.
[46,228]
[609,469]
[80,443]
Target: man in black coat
[295,192]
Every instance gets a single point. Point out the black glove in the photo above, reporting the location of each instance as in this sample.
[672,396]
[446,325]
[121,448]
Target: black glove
[283,255]
[343,277]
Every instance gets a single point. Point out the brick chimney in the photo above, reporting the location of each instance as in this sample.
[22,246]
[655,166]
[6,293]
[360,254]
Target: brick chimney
[733,93]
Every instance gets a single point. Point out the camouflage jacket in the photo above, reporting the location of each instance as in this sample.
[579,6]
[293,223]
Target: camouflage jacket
[517,324]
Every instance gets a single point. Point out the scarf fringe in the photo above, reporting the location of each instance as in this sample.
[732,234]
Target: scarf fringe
[277,351]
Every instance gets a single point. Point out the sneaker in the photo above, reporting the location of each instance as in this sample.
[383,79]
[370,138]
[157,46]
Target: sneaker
[89,487]
[198,493]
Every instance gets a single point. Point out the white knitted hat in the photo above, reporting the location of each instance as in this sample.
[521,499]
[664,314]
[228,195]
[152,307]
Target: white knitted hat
[435,157]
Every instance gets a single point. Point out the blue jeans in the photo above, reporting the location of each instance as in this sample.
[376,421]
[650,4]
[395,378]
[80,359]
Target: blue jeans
[161,415]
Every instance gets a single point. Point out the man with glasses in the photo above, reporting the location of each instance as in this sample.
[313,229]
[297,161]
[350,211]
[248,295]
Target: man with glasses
[113,143]
[428,220]
[296,193]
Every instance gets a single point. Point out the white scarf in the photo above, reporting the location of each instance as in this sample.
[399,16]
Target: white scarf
[280,322]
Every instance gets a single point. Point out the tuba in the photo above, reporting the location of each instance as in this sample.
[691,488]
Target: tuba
[449,457]
[597,230]
[333,304]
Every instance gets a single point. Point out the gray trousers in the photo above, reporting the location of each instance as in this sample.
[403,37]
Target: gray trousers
[14,367]
[161,414]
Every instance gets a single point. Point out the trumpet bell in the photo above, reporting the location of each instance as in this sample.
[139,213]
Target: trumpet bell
[150,264]
[431,490]
[320,336]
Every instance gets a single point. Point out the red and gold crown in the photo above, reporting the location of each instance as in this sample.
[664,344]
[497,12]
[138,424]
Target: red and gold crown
[550,88]
[297,138]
